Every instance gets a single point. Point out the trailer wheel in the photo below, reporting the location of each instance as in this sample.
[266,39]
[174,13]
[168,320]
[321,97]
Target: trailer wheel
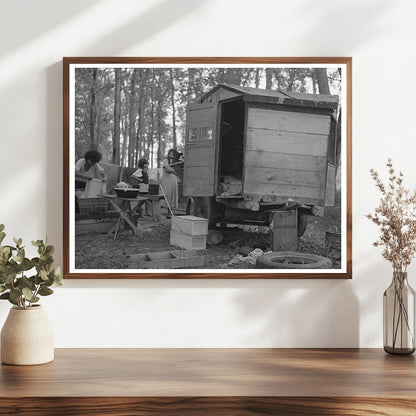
[302,223]
[292,260]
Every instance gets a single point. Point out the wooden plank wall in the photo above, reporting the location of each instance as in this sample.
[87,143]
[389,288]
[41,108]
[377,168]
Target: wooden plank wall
[330,185]
[199,178]
[203,115]
[199,171]
[286,154]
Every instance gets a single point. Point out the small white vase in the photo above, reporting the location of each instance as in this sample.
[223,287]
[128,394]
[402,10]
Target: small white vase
[27,337]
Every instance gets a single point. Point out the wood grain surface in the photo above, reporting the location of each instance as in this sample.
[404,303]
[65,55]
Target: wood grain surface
[212,381]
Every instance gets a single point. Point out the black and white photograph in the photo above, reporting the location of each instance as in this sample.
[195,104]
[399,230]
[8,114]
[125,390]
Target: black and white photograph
[213,169]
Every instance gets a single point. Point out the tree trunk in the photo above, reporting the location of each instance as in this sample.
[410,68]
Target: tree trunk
[314,83]
[159,135]
[98,134]
[269,78]
[291,79]
[132,117]
[124,150]
[322,80]
[142,119]
[221,75]
[117,120]
[93,111]
[189,92]
[257,77]
[152,123]
[138,145]
[172,99]
[158,123]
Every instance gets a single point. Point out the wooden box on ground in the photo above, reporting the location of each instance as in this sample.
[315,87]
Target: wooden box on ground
[92,205]
[175,259]
[283,231]
[98,223]
[190,225]
[188,242]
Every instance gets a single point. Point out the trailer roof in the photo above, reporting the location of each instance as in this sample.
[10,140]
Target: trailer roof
[280,97]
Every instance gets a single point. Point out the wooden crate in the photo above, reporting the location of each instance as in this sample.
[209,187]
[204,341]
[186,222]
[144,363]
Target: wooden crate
[92,205]
[92,225]
[283,231]
[176,259]
[188,242]
[190,225]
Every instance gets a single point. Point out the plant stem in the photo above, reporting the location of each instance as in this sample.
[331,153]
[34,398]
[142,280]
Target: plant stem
[401,314]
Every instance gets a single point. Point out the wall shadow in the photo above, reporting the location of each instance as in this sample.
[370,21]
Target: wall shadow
[44,16]
[355,17]
[157,18]
[302,314]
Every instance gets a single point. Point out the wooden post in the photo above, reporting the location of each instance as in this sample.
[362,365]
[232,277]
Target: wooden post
[283,230]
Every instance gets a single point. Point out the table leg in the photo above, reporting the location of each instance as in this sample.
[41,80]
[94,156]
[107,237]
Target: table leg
[117,225]
[138,209]
[156,215]
[124,217]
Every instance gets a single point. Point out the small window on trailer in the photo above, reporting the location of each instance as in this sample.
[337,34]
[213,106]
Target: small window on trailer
[199,134]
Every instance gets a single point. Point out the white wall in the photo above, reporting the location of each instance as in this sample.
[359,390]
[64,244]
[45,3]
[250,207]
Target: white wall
[380,36]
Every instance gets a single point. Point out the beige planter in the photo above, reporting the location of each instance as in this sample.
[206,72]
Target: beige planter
[27,337]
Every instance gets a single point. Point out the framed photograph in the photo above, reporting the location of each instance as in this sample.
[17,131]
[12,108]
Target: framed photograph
[207,168]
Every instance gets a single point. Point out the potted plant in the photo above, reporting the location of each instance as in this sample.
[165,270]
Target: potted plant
[27,336]
[396,217]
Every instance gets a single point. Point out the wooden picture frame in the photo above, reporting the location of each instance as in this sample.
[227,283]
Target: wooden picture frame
[262,173]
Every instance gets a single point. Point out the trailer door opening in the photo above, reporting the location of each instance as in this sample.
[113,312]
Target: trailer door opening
[231,151]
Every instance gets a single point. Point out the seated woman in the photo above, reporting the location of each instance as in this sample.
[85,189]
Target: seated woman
[141,175]
[89,167]
[86,170]
[140,179]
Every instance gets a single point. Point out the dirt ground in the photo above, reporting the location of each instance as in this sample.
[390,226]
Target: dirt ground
[101,251]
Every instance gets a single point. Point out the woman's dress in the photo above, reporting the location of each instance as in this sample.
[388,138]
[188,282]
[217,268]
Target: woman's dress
[169,184]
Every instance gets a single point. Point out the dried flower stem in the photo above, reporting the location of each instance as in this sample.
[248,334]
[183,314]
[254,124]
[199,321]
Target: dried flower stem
[396,217]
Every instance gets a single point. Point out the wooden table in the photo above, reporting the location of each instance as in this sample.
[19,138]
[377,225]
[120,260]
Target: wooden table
[214,382]
[124,209]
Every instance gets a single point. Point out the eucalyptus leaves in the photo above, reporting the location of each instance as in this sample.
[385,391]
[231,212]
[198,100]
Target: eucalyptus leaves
[15,286]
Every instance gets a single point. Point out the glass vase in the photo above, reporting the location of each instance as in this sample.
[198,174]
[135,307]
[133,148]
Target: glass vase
[399,316]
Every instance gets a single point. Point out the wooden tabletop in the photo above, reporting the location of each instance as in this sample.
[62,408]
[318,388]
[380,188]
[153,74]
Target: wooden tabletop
[245,381]
[140,197]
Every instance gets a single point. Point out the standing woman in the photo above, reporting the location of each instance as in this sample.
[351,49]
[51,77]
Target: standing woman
[170,180]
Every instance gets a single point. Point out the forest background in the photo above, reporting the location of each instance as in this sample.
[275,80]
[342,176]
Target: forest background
[133,112]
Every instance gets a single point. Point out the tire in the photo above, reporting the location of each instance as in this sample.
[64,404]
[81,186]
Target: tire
[292,260]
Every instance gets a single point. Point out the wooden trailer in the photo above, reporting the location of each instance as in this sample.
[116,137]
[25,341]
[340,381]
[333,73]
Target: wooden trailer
[250,151]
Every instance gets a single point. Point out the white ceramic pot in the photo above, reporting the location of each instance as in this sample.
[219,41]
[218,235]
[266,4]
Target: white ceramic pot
[27,337]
